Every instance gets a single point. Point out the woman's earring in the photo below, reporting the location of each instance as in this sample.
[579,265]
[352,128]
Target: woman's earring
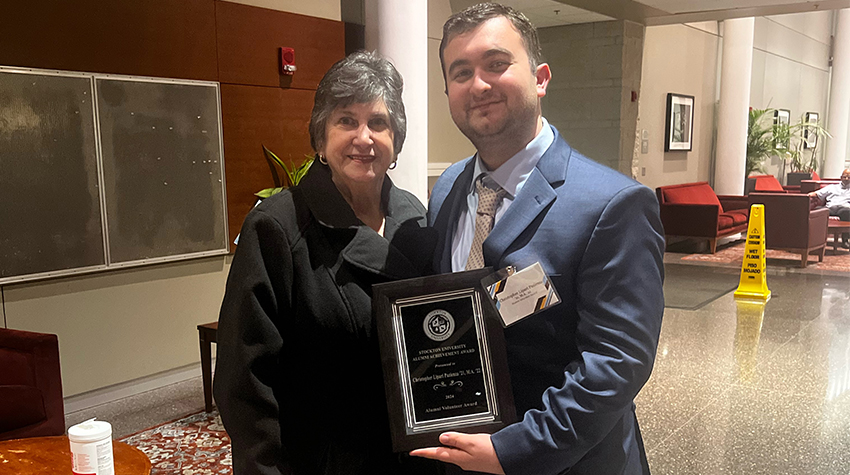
[322,159]
[393,164]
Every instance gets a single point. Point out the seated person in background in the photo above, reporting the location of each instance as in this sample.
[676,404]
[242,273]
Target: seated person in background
[837,198]
[298,378]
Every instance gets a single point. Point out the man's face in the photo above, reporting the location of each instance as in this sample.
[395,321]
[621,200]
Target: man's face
[491,88]
[845,178]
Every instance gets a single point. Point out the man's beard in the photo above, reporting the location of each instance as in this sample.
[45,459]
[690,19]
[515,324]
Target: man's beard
[512,127]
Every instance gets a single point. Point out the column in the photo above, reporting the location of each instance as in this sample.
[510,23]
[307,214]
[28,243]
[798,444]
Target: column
[735,75]
[398,30]
[839,99]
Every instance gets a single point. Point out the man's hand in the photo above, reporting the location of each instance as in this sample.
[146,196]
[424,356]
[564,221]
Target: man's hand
[473,452]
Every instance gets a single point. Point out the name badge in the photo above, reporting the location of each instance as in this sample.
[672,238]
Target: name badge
[520,294]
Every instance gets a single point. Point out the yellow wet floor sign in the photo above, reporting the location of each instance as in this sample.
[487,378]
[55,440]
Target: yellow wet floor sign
[753,283]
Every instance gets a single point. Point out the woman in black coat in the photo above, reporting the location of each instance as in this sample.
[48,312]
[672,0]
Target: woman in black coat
[298,376]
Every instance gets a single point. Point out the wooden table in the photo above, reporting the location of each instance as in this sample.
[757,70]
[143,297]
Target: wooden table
[52,455]
[208,334]
[836,228]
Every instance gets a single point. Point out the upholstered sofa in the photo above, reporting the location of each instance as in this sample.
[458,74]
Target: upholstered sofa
[31,402]
[792,224]
[693,210]
[808,186]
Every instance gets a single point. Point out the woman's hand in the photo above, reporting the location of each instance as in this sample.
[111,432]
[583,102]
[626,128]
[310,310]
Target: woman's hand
[472,452]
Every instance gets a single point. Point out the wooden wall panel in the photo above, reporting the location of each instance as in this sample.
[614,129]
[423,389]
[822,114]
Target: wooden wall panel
[163,38]
[249,39]
[253,116]
[193,39]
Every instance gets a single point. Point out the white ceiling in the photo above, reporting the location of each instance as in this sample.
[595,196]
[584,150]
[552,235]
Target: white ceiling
[690,6]
[654,12]
[543,13]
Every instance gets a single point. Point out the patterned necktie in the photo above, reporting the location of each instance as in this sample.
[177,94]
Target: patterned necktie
[488,201]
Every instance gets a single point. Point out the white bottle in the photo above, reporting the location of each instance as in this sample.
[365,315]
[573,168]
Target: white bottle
[91,448]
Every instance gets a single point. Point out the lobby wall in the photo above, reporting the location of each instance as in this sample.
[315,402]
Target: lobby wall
[124,325]
[121,326]
[446,145]
[681,59]
[791,69]
[595,67]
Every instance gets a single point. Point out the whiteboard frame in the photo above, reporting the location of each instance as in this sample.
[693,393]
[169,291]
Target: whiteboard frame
[100,177]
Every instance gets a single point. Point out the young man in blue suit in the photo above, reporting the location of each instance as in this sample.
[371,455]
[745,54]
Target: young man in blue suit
[577,366]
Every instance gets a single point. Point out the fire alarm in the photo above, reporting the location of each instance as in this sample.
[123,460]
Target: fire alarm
[287,61]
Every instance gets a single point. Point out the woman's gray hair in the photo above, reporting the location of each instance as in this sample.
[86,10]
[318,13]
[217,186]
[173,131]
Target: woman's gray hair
[359,78]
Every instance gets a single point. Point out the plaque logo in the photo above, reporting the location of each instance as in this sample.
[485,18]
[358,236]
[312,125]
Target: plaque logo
[439,325]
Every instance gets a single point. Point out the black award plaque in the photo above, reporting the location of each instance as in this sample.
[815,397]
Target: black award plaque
[443,357]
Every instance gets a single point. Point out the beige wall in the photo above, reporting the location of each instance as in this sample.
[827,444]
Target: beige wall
[121,325]
[791,68]
[445,142]
[681,59]
[329,9]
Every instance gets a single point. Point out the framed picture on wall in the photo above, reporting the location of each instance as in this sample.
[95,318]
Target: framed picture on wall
[782,119]
[680,123]
[810,134]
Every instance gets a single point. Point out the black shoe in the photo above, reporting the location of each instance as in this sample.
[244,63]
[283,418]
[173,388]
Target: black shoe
[845,245]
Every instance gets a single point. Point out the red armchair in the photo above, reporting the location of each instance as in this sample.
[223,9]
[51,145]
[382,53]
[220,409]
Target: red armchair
[693,210]
[31,402]
[790,224]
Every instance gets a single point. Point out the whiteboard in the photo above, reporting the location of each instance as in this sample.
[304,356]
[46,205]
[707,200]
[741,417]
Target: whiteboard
[133,177]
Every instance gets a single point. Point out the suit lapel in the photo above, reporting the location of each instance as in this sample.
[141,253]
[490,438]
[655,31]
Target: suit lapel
[535,196]
[448,216]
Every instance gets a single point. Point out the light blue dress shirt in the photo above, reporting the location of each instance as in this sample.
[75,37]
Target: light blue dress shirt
[511,176]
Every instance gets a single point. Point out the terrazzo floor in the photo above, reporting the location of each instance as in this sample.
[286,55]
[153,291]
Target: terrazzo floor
[740,389]
[735,389]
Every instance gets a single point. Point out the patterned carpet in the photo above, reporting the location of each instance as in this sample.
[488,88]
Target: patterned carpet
[838,260]
[194,445]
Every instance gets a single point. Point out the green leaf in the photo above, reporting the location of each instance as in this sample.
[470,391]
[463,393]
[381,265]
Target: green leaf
[269,192]
[302,170]
[293,174]
[780,140]
[271,159]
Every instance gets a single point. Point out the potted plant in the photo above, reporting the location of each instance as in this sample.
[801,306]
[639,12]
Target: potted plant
[785,141]
[292,176]
[760,141]
[801,161]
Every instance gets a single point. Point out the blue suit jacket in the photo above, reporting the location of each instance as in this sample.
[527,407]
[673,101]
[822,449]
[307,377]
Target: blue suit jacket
[576,367]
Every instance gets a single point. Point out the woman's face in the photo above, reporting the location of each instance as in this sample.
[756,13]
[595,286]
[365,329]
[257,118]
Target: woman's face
[359,144]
